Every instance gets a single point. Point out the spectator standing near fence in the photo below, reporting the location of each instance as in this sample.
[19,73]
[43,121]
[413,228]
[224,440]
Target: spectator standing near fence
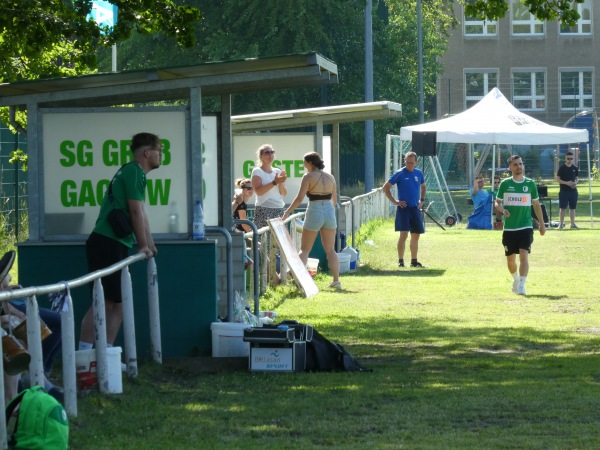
[515,197]
[320,188]
[568,177]
[411,191]
[104,248]
[269,186]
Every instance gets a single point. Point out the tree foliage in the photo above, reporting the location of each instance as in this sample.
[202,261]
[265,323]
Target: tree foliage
[561,10]
[49,38]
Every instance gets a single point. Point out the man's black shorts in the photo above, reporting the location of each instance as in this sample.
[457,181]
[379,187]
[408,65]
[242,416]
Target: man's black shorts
[102,252]
[513,241]
[568,199]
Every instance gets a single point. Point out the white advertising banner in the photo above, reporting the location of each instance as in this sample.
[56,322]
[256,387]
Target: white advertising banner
[83,150]
[289,152]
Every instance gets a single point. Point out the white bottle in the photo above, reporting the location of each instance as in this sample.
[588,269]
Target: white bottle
[173,219]
[198,224]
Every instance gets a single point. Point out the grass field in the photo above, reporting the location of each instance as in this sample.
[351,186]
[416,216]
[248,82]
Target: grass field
[457,360]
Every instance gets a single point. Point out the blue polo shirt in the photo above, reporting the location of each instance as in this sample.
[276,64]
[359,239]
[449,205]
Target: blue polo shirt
[408,185]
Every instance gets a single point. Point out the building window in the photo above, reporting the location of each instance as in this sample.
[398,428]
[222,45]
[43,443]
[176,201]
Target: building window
[584,24]
[576,89]
[478,83]
[523,22]
[529,90]
[477,27]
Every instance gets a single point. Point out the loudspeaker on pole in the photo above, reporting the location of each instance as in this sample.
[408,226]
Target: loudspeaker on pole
[424,143]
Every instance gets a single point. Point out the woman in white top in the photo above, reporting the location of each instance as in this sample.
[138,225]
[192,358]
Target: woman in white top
[269,186]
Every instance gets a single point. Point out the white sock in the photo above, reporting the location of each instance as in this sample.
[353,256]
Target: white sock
[85,345]
[522,281]
[515,276]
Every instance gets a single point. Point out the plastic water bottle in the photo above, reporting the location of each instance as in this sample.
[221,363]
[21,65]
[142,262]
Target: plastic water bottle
[198,225]
[173,219]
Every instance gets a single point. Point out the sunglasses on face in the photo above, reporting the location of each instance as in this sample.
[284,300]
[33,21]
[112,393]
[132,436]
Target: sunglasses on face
[569,159]
[269,152]
[249,188]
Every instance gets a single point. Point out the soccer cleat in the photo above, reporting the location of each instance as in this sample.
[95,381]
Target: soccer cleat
[417,265]
[574,227]
[515,286]
[521,290]
[562,225]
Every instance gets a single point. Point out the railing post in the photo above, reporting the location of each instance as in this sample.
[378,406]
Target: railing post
[100,332]
[3,433]
[128,323]
[34,343]
[68,356]
[154,312]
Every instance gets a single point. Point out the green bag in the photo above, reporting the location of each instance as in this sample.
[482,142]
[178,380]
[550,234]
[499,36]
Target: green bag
[41,423]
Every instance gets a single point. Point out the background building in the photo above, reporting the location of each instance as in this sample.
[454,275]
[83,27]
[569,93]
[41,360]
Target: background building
[546,70]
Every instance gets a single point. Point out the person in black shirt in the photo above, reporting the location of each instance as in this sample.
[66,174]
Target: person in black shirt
[567,176]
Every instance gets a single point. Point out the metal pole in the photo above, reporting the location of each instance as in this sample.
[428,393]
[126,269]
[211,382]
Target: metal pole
[154,311]
[67,327]
[100,330]
[34,343]
[369,128]
[129,322]
[420,59]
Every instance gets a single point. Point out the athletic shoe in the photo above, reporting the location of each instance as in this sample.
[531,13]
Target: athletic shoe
[562,225]
[336,285]
[401,264]
[521,290]
[417,265]
[515,286]
[574,227]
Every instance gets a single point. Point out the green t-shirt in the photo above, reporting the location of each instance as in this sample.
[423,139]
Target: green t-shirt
[128,183]
[517,198]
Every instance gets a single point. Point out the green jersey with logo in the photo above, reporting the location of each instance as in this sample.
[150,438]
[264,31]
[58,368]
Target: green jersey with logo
[517,198]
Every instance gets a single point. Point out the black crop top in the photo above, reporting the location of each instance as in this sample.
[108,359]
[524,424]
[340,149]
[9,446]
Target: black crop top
[313,197]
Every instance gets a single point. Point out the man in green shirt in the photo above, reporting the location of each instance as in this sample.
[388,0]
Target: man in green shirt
[515,197]
[105,247]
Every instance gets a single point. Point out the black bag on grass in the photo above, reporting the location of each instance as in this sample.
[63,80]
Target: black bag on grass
[324,355]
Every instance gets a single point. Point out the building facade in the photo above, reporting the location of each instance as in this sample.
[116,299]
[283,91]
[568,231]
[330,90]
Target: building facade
[546,70]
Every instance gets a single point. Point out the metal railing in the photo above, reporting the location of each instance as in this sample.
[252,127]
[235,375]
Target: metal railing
[352,214]
[68,330]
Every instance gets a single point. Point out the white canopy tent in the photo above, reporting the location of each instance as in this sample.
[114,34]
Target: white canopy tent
[494,120]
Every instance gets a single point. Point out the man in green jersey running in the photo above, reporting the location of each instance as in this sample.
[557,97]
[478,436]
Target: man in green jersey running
[515,197]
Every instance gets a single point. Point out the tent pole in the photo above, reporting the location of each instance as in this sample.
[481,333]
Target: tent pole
[492,182]
[590,186]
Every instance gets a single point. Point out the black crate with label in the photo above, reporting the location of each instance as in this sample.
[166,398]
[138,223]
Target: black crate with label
[275,349]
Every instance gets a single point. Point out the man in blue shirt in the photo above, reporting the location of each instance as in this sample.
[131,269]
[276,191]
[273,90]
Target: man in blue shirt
[411,190]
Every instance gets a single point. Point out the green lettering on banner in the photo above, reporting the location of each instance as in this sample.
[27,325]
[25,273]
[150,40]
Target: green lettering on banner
[110,153]
[157,192]
[247,168]
[86,196]
[68,198]
[298,169]
[66,149]
[85,154]
[166,158]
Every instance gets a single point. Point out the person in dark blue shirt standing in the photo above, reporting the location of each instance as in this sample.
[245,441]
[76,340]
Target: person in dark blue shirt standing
[411,190]
[567,176]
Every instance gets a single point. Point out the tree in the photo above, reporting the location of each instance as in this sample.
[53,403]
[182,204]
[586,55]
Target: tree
[561,10]
[50,38]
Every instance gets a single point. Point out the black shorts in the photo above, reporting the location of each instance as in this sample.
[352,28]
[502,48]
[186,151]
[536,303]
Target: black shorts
[513,241]
[568,199]
[102,252]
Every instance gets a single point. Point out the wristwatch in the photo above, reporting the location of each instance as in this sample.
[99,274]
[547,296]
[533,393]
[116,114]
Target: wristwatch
[274,183]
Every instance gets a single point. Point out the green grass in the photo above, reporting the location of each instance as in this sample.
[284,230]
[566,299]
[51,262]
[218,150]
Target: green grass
[457,360]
